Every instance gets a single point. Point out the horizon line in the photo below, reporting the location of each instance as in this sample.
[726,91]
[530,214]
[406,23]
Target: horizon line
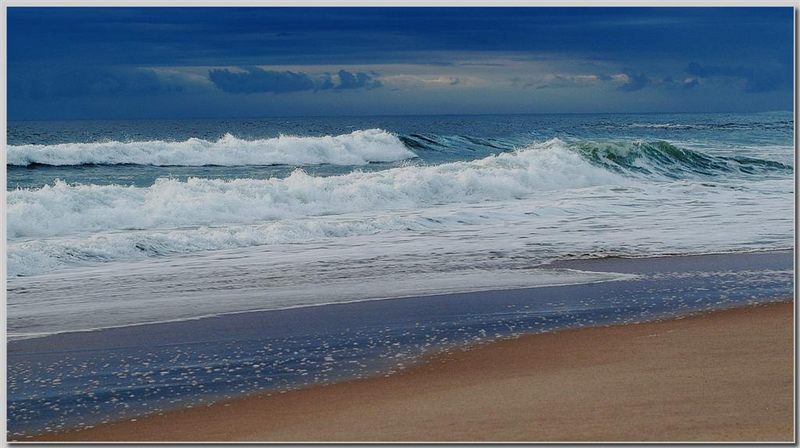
[402,115]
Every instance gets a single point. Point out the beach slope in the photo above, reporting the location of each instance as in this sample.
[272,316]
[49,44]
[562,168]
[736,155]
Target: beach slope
[721,376]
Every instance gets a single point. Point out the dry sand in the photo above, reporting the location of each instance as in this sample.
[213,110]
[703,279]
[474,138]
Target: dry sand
[722,376]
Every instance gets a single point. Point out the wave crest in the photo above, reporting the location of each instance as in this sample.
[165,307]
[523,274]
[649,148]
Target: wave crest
[61,208]
[357,148]
[65,224]
[664,159]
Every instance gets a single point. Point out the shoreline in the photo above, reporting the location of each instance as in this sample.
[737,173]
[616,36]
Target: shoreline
[718,375]
[128,372]
[609,264]
[176,330]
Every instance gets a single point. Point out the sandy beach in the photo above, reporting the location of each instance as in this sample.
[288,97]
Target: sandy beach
[721,376]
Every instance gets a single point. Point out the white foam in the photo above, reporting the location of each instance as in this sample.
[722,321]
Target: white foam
[378,253]
[156,298]
[63,209]
[357,148]
[644,219]
[111,278]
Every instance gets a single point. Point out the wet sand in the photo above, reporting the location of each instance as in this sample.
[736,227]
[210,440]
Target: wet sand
[721,376]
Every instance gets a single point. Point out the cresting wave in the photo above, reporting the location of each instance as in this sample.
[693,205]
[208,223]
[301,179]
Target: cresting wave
[664,159]
[62,224]
[357,148]
[61,208]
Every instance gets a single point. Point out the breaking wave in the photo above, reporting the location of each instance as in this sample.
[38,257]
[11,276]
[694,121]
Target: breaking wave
[62,208]
[65,223]
[667,160]
[357,148]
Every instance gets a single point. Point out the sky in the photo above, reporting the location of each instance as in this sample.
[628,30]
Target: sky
[126,63]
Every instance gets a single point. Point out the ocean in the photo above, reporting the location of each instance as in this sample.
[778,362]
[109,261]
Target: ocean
[114,224]
[320,210]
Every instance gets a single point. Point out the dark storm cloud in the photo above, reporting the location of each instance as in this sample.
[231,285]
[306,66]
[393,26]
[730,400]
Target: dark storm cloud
[98,54]
[358,80]
[705,71]
[258,80]
[66,82]
[757,79]
[636,81]
[260,36]
[253,80]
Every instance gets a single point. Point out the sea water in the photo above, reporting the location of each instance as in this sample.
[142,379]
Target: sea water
[114,223]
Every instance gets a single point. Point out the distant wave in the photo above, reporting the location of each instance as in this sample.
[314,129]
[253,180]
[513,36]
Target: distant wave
[749,126]
[357,148]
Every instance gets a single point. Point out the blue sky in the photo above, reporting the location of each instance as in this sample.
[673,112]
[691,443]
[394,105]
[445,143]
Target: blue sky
[88,63]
